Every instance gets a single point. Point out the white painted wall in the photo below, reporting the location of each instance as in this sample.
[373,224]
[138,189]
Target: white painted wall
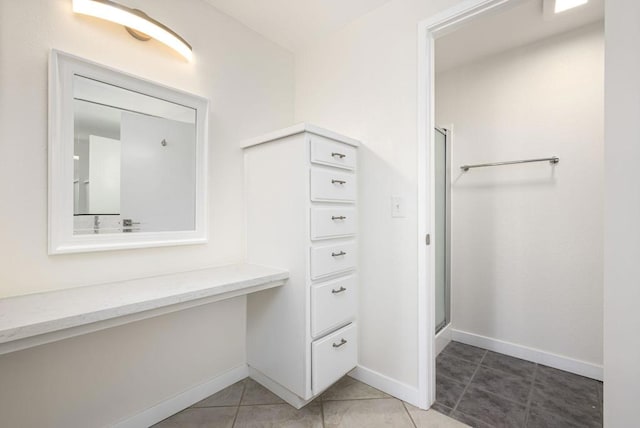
[100,378]
[362,82]
[527,239]
[622,213]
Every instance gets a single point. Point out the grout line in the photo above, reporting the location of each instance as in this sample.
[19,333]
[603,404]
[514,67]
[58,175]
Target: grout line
[470,380]
[359,399]
[244,388]
[211,407]
[473,418]
[266,404]
[409,413]
[508,373]
[599,395]
[528,408]
[452,379]
[504,397]
[322,411]
[461,358]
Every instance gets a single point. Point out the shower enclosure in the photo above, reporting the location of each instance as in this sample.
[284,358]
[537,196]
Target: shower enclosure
[442,232]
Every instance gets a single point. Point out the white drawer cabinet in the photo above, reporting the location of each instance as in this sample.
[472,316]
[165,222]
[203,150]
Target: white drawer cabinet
[333,258]
[301,198]
[333,356]
[333,304]
[325,151]
[331,185]
[332,222]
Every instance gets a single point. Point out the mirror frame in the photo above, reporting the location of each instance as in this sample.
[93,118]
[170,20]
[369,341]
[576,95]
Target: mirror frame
[62,68]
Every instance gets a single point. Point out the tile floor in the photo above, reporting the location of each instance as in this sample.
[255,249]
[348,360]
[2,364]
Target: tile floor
[486,389]
[348,403]
[474,386]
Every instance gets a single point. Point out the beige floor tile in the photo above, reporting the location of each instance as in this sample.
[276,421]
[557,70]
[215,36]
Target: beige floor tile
[254,393]
[279,416]
[229,396]
[348,388]
[376,413]
[206,417]
[432,419]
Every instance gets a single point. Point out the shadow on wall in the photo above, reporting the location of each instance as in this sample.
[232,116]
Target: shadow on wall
[388,266]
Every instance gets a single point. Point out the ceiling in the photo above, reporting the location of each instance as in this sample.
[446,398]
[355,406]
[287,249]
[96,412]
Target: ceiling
[519,25]
[295,24]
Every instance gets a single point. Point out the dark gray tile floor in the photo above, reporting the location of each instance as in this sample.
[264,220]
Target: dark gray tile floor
[486,389]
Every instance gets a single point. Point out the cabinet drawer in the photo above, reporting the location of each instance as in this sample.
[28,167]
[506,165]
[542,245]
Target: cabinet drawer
[329,185]
[330,152]
[333,356]
[329,259]
[332,222]
[333,303]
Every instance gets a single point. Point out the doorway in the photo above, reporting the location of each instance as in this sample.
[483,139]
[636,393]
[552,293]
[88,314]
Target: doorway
[511,213]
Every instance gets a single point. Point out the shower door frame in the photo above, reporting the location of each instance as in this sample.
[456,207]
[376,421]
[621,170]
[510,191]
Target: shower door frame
[447,132]
[428,30]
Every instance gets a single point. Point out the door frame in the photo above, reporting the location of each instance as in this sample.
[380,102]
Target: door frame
[428,30]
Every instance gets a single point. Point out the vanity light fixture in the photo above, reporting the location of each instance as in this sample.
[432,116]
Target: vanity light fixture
[563,5]
[137,23]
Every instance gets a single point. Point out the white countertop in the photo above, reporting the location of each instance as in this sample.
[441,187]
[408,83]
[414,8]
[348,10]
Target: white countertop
[32,315]
[297,129]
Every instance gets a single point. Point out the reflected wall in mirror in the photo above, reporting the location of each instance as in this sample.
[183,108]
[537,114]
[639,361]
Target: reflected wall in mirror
[134,161]
[134,155]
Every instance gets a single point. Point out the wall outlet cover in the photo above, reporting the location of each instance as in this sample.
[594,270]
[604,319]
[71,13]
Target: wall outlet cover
[398,207]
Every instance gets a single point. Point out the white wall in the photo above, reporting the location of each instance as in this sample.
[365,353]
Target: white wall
[101,378]
[527,239]
[622,213]
[362,81]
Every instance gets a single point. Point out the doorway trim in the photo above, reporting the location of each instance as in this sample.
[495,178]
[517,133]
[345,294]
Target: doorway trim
[428,30]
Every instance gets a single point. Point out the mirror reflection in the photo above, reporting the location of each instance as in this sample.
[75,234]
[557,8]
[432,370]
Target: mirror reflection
[134,161]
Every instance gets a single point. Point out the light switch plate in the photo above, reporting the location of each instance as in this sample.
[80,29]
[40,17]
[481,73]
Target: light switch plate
[397,206]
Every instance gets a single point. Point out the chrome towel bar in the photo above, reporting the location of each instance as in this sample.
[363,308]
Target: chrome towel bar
[553,160]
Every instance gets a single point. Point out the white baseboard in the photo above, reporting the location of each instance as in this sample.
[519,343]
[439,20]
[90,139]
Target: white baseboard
[400,390]
[185,399]
[277,389]
[443,338]
[571,365]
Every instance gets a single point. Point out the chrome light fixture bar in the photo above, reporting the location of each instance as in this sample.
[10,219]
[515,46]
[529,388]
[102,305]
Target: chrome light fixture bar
[137,23]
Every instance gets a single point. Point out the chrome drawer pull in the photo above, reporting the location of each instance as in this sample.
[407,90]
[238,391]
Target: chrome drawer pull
[342,342]
[339,290]
[338,155]
[338,182]
[341,253]
[340,217]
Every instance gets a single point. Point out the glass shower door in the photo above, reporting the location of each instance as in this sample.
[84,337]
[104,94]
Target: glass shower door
[441,232]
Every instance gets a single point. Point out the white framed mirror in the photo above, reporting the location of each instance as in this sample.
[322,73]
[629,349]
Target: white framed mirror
[127,160]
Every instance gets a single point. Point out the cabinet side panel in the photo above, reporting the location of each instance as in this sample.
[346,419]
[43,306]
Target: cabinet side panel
[277,192]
